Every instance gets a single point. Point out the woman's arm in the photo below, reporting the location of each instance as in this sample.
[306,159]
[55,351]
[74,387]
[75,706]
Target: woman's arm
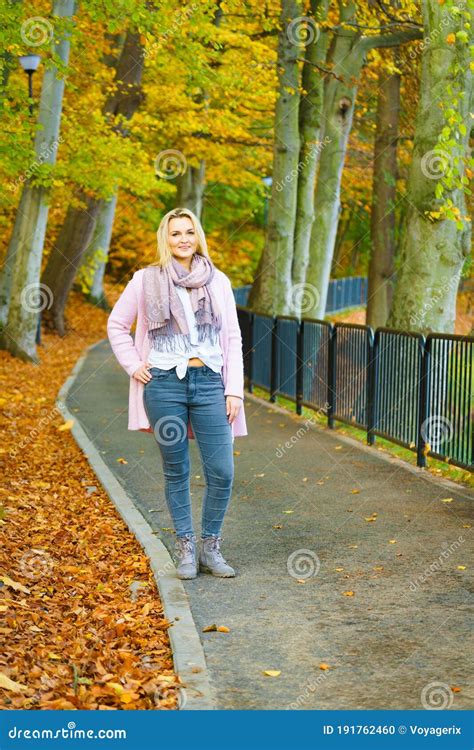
[119,324]
[235,361]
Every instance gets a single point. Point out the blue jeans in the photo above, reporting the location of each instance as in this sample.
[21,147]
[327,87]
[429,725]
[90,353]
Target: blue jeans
[169,403]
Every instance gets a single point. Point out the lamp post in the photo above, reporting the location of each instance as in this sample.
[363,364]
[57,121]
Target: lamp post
[267,181]
[30,63]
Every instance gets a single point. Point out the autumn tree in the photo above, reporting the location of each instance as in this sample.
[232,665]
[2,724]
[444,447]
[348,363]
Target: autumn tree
[437,230]
[21,273]
[272,289]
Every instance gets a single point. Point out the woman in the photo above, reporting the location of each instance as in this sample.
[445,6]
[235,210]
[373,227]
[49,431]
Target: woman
[186,378]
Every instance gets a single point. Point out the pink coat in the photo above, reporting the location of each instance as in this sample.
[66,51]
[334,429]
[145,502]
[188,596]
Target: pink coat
[131,354]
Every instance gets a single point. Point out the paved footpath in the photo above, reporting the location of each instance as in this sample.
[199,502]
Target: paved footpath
[387,608]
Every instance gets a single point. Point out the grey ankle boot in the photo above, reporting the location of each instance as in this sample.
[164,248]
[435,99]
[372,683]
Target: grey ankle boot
[211,560]
[186,553]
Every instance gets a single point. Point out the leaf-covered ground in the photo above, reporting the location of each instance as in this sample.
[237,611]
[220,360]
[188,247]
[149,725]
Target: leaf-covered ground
[82,624]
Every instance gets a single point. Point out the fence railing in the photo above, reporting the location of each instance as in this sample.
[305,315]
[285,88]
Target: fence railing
[408,389]
[342,294]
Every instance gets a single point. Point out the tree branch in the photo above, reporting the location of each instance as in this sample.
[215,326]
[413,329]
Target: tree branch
[325,71]
[391,40]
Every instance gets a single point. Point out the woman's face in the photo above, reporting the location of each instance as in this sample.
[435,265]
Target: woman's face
[182,238]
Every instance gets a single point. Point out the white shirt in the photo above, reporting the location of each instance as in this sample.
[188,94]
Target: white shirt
[211,354]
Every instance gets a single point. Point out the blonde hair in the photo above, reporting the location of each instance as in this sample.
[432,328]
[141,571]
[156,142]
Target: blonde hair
[164,251]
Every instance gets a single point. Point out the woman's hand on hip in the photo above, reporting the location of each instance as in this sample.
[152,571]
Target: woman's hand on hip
[233,404]
[142,374]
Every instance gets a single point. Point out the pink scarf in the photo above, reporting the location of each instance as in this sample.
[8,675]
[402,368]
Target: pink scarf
[166,320]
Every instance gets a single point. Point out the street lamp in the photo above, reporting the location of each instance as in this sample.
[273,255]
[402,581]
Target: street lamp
[30,63]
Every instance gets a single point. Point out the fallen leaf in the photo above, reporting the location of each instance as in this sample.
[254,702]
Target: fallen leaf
[223,629]
[455,689]
[288,511]
[324,667]
[66,426]
[348,593]
[355,492]
[14,584]
[272,672]
[461,567]
[122,461]
[392,541]
[8,684]
[447,500]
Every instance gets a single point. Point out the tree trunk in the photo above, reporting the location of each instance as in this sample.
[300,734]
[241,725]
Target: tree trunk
[66,255]
[347,56]
[191,188]
[271,290]
[91,273]
[24,257]
[78,227]
[310,121]
[343,227]
[382,228]
[434,247]
[93,267]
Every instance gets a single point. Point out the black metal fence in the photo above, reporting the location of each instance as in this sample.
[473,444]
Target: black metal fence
[411,390]
[342,294]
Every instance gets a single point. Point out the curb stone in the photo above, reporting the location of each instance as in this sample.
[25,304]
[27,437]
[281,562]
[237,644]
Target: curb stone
[188,653]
